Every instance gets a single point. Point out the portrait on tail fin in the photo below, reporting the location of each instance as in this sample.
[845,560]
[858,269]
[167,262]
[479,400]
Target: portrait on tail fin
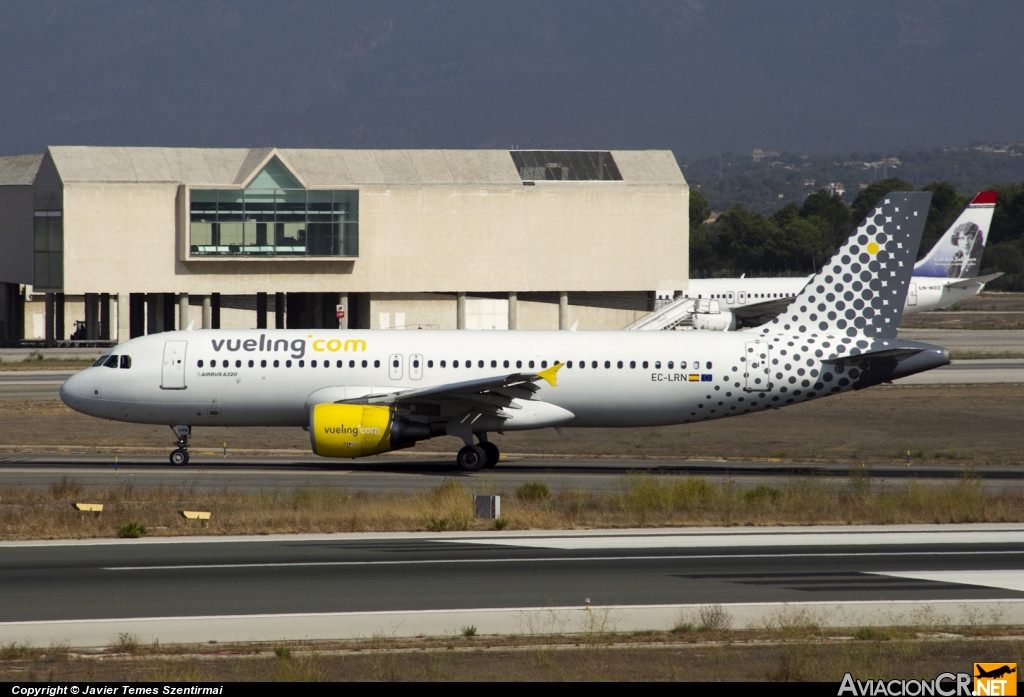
[957,254]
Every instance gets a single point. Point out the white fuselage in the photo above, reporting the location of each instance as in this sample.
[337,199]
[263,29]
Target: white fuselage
[641,379]
[925,292]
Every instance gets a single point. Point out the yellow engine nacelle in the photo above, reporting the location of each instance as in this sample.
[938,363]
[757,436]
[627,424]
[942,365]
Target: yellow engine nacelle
[356,430]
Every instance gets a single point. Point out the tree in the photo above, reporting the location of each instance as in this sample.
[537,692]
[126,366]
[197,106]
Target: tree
[699,209]
[867,198]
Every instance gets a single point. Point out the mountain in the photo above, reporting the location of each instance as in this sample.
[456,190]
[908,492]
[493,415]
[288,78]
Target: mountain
[697,76]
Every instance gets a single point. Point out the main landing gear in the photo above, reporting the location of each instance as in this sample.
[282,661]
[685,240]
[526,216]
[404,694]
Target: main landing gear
[179,456]
[473,458]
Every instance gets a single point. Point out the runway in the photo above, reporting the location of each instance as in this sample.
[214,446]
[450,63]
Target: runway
[387,474]
[311,586]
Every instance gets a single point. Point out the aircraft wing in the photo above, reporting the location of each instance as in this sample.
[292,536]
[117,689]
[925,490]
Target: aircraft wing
[495,392]
[977,280]
[764,310]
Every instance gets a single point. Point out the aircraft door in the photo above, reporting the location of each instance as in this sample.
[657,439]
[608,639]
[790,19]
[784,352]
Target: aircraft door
[395,366]
[415,366]
[730,297]
[742,296]
[172,377]
[758,367]
[912,295]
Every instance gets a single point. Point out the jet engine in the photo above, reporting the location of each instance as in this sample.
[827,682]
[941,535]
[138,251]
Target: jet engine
[356,430]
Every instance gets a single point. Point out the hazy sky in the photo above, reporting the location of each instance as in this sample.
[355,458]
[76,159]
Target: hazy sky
[696,76]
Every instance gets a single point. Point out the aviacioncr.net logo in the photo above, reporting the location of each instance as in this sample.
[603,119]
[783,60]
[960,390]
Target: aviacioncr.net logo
[945,685]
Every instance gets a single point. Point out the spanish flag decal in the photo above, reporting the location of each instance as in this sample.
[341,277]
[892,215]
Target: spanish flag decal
[693,377]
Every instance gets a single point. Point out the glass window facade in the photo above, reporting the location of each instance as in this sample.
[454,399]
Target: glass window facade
[273,217]
[565,165]
[49,250]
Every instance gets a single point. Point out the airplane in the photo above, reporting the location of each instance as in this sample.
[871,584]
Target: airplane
[364,392]
[947,275]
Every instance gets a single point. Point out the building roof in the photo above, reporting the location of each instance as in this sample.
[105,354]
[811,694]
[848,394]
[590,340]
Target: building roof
[19,170]
[235,167]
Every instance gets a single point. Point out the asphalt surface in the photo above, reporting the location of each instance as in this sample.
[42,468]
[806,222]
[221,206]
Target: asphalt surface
[322,574]
[407,474]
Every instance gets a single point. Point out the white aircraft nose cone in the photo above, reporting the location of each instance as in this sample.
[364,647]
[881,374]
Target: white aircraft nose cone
[72,392]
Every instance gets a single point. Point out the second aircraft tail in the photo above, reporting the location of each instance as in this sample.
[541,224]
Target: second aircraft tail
[958,252]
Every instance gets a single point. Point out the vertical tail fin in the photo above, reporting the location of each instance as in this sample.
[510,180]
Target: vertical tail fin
[958,252]
[862,289]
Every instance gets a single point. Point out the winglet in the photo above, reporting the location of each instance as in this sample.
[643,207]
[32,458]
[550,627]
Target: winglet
[551,374]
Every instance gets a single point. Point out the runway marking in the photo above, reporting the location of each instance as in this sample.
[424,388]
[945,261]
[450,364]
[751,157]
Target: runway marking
[773,539]
[1006,579]
[402,562]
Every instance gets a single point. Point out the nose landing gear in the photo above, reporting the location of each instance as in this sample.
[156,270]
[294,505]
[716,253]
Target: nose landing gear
[179,456]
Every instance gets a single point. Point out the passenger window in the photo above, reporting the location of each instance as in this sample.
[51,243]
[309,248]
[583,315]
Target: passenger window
[593,364]
[376,364]
[442,364]
[543,364]
[519,364]
[200,364]
[251,364]
[415,363]
[469,364]
[287,364]
[479,364]
[709,365]
[494,364]
[394,363]
[238,364]
[531,364]
[111,362]
[430,364]
[352,364]
[263,364]
[607,364]
[312,364]
[126,362]
[670,364]
[455,364]
[569,364]
[302,364]
[583,364]
[644,364]
[327,364]
[277,363]
[364,364]
[619,365]
[657,365]
[682,365]
[340,364]
[505,364]
[632,364]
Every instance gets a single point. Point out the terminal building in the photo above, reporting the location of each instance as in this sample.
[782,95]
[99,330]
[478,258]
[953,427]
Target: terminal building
[107,243]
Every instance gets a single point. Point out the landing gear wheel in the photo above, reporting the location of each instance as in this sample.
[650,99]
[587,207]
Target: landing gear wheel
[471,458]
[492,453]
[179,457]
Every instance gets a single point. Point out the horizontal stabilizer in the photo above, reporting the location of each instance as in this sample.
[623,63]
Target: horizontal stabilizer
[875,355]
[971,282]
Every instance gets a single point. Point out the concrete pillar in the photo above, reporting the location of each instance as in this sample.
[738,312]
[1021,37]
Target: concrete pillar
[124,317]
[563,310]
[279,309]
[317,310]
[49,318]
[104,315]
[215,310]
[343,301]
[5,311]
[92,316]
[261,310]
[58,317]
[183,314]
[513,313]
[154,310]
[460,310]
[136,316]
[169,311]
[207,313]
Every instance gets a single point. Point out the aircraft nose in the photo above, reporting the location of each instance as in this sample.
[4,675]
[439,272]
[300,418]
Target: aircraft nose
[72,392]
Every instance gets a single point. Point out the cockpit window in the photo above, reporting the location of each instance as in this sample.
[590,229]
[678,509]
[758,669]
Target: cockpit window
[111,362]
[102,359]
[126,362]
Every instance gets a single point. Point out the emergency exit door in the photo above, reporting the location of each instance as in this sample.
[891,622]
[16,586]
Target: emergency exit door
[912,295]
[395,367]
[172,377]
[758,368]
